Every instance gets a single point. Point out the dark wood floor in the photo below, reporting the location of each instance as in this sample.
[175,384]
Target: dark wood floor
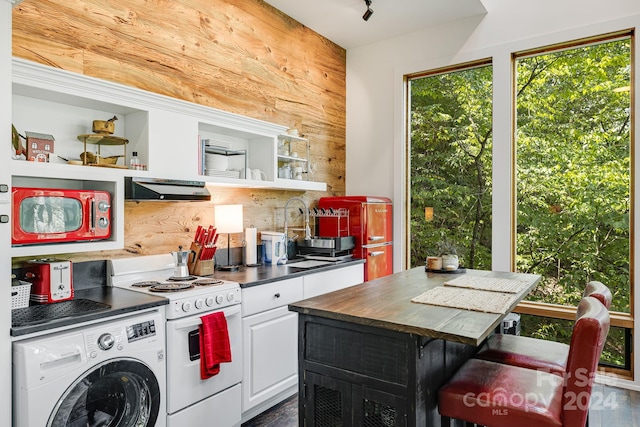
[610,407]
[284,414]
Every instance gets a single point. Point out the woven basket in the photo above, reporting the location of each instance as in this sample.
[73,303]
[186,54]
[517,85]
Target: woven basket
[92,159]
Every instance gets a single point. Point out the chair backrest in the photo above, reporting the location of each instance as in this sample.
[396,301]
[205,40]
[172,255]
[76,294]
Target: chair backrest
[587,340]
[600,291]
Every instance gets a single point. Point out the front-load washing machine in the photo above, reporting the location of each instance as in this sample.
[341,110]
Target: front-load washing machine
[107,374]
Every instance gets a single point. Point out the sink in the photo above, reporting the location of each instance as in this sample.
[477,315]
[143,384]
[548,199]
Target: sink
[308,264]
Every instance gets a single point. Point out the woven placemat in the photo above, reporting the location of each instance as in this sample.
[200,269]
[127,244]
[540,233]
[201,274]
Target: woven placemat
[494,284]
[467,299]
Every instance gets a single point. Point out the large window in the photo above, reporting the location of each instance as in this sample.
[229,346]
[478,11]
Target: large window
[449,182]
[573,174]
[573,179]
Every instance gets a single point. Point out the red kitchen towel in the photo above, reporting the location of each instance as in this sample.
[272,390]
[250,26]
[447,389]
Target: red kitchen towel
[214,344]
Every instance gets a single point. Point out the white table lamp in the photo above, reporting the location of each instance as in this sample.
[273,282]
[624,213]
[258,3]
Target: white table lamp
[228,219]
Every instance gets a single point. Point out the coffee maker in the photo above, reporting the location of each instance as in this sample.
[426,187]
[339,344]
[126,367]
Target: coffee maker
[181,260]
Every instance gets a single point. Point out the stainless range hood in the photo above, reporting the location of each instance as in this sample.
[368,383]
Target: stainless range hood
[141,188]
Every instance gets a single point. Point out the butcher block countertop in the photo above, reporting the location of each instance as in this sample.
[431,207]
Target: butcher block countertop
[386,303]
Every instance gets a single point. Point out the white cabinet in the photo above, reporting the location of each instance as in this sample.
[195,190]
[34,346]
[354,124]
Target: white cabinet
[166,133]
[333,280]
[271,364]
[270,345]
[270,334]
[294,154]
[241,156]
[62,104]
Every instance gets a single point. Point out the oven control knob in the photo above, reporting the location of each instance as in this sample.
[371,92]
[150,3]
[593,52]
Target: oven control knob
[219,299]
[230,296]
[186,306]
[209,301]
[199,303]
[106,341]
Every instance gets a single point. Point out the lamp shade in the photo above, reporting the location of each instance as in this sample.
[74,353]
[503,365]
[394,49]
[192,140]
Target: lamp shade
[228,218]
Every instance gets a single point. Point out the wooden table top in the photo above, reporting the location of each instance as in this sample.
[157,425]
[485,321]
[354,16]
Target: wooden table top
[386,303]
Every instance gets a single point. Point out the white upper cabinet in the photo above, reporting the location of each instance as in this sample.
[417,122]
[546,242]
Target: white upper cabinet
[173,139]
[166,133]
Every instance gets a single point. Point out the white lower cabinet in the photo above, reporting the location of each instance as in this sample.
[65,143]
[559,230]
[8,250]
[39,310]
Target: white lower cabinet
[271,349]
[270,334]
[333,280]
[270,340]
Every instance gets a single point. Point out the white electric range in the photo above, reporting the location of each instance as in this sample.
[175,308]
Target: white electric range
[190,400]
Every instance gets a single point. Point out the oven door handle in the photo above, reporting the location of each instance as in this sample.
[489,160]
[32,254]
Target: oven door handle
[191,321]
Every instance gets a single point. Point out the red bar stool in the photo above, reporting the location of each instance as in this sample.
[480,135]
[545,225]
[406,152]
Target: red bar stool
[499,395]
[533,353]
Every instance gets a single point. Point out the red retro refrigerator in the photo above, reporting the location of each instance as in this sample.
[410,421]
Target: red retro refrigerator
[370,222]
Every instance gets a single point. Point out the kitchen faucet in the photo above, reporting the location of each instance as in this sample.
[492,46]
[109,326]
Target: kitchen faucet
[307,230]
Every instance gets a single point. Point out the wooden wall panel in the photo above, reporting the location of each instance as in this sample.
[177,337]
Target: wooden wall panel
[241,56]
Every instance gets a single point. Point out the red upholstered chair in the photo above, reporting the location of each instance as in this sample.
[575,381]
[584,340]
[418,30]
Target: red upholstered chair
[499,395]
[535,353]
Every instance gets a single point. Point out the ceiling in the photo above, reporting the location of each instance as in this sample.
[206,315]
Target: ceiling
[341,20]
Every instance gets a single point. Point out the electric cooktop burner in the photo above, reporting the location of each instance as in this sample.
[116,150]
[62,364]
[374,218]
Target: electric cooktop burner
[170,287]
[145,284]
[207,282]
[181,279]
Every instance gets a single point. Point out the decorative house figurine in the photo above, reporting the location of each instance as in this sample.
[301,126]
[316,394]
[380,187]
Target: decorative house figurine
[39,146]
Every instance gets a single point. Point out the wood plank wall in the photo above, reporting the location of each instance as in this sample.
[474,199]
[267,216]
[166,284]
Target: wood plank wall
[242,56]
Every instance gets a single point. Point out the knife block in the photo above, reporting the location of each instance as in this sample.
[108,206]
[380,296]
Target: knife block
[202,267]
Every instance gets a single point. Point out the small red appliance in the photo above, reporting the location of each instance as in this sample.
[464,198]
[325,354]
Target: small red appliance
[49,215]
[51,280]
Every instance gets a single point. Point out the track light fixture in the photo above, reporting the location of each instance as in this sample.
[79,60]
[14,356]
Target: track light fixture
[368,12]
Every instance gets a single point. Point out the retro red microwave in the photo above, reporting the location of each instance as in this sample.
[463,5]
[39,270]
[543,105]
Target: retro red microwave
[50,215]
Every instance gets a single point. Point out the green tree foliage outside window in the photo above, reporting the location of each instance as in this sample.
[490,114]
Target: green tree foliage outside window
[573,174]
[450,157]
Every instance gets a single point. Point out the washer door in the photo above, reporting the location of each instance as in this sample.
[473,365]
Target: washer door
[119,392]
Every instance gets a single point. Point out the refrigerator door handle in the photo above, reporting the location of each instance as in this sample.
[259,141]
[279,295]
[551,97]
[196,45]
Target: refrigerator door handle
[375,238]
[377,245]
[376,253]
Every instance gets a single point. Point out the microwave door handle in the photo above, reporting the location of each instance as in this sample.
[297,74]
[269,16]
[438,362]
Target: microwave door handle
[92,215]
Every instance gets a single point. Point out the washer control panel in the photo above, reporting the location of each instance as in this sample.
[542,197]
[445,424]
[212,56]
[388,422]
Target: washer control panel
[101,342]
[141,330]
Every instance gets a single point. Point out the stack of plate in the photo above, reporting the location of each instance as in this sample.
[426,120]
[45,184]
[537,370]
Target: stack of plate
[226,174]
[216,162]
[219,144]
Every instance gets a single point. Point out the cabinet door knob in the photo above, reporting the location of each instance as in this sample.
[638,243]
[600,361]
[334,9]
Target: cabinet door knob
[277,295]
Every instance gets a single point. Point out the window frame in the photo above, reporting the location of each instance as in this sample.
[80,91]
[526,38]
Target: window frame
[618,319]
[406,208]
